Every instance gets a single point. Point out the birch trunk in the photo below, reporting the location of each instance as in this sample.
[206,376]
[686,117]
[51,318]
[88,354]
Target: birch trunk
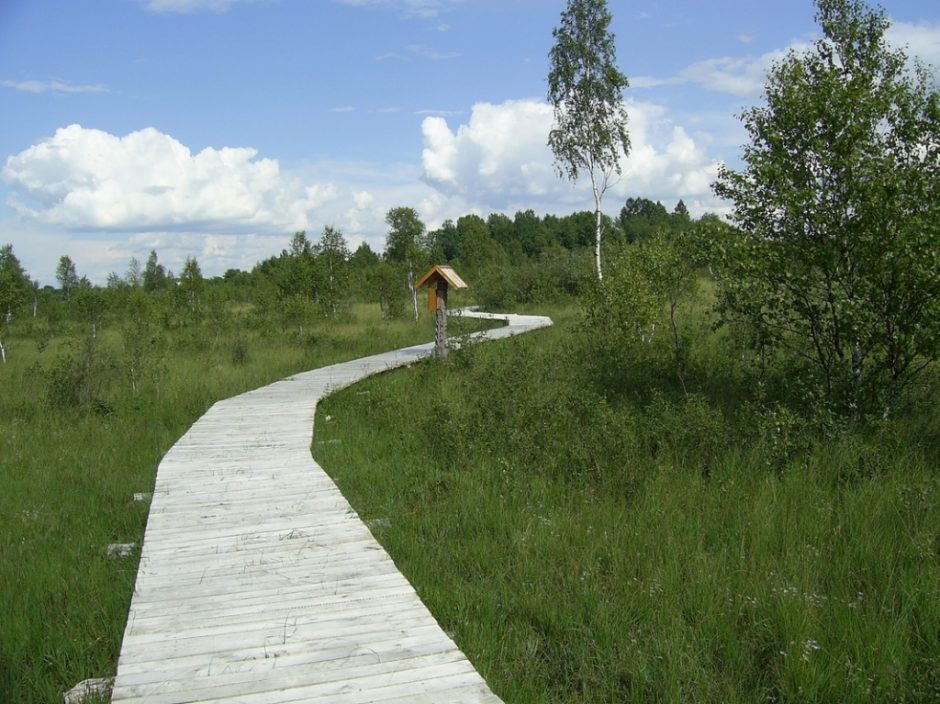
[855,404]
[676,345]
[414,294]
[598,224]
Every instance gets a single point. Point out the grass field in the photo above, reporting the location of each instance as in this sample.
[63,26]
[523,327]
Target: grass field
[76,444]
[589,533]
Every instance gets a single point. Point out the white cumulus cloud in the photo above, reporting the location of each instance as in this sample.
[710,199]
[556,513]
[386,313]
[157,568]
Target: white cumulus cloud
[665,163]
[501,152]
[86,179]
[500,157]
[918,40]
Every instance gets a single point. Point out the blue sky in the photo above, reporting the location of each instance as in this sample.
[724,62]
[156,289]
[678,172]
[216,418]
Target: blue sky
[216,128]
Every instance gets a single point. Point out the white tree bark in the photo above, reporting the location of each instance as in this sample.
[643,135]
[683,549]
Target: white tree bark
[600,181]
[598,227]
[414,294]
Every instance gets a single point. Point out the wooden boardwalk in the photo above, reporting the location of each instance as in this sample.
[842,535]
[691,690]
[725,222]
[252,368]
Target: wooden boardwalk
[258,583]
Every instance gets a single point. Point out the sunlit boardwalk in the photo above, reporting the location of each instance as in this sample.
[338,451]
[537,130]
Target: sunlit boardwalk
[259,584]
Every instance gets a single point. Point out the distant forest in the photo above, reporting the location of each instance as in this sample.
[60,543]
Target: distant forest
[506,260]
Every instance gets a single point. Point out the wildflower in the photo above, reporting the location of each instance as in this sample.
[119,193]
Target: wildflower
[809,647]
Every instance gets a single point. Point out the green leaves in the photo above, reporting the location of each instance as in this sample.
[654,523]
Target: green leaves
[405,235]
[586,89]
[66,275]
[838,212]
[14,283]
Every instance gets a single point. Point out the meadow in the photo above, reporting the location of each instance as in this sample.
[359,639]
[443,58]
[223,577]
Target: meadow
[77,442]
[589,531]
[589,525]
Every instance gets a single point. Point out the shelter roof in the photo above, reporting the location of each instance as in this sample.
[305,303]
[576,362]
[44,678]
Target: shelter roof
[441,271]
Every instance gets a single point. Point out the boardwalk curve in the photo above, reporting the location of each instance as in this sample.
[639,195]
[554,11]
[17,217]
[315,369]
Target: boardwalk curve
[259,584]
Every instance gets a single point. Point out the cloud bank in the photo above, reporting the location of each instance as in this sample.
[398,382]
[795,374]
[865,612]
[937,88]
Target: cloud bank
[86,179]
[500,159]
[102,198]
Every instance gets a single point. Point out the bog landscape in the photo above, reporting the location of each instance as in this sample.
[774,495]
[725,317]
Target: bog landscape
[714,478]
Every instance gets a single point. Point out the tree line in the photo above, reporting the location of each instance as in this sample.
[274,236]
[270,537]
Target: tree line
[322,276]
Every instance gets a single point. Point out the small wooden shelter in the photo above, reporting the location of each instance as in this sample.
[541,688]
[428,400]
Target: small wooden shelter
[438,280]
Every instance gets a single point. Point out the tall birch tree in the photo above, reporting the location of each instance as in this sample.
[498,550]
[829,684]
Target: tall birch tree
[333,255]
[67,276]
[586,88]
[406,245]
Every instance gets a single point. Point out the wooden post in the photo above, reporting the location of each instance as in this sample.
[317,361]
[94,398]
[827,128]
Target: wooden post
[438,280]
[440,320]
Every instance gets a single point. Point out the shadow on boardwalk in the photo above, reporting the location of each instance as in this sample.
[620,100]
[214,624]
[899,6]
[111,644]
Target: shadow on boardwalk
[259,584]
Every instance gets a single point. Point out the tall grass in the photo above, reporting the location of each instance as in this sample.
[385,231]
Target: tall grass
[590,533]
[76,444]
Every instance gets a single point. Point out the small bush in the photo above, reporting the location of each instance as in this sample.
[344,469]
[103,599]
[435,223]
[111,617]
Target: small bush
[65,381]
[239,351]
[690,432]
[73,381]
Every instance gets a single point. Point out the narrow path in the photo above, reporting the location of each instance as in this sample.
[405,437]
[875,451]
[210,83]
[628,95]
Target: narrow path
[258,583]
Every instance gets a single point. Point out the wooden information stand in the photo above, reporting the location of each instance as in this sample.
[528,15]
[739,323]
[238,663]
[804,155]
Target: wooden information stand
[438,280]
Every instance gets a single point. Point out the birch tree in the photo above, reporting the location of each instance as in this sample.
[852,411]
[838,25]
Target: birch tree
[333,255]
[191,285]
[155,275]
[134,276]
[405,245]
[14,288]
[586,88]
[67,276]
[838,205]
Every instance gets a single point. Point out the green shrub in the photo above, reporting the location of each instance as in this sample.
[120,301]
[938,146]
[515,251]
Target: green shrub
[239,351]
[78,380]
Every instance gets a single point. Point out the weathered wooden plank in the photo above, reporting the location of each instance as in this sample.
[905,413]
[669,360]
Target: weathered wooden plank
[260,606]
[258,583]
[271,615]
[419,639]
[293,673]
[347,543]
[282,525]
[274,633]
[327,566]
[332,672]
[270,581]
